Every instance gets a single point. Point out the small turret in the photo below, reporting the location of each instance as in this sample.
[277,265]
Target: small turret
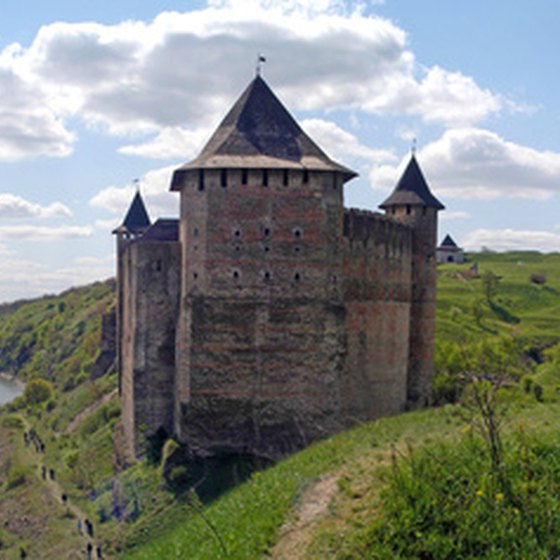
[413,204]
[135,223]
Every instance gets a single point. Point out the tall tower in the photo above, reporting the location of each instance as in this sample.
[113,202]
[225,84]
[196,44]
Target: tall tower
[262,317]
[413,203]
[135,223]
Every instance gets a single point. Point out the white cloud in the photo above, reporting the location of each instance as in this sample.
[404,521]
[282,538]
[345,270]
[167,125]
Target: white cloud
[29,278]
[339,142]
[13,206]
[44,233]
[512,240]
[472,163]
[451,215]
[171,142]
[154,186]
[185,68]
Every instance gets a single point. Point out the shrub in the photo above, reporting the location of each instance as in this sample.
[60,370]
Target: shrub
[17,475]
[538,279]
[37,391]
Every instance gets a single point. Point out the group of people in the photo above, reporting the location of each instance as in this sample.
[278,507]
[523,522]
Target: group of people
[32,436]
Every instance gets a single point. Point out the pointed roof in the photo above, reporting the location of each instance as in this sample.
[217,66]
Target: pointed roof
[258,132]
[412,189]
[136,219]
[448,242]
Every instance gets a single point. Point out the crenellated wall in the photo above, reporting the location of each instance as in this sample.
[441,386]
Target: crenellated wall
[377,295]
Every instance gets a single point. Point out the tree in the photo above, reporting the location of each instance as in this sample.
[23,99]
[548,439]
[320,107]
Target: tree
[490,284]
[37,391]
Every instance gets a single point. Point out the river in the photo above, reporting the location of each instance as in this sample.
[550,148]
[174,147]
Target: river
[9,389]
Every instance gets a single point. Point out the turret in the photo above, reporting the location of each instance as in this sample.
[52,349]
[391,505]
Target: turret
[135,223]
[413,204]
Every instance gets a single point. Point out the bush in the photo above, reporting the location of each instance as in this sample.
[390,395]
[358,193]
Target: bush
[539,279]
[17,475]
[444,502]
[37,391]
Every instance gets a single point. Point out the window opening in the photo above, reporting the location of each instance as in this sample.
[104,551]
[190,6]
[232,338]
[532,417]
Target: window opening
[285,178]
[244,176]
[305,176]
[265,177]
[223,178]
[201,179]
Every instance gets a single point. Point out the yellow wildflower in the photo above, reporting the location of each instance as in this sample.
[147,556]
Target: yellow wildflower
[499,496]
[479,493]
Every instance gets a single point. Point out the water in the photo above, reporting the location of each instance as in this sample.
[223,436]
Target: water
[9,390]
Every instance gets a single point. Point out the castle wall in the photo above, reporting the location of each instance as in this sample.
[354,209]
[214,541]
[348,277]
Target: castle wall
[262,322]
[150,277]
[377,294]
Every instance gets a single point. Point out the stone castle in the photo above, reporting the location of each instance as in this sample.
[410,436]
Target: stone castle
[268,315]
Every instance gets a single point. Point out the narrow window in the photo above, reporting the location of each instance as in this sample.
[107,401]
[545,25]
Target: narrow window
[297,276]
[265,178]
[223,178]
[408,209]
[244,176]
[158,265]
[266,232]
[201,179]
[267,276]
[424,210]
[297,233]
[195,275]
[237,233]
[285,178]
[305,176]
[266,248]
[195,232]
[235,275]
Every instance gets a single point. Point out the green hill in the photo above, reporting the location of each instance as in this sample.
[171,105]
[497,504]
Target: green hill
[340,498]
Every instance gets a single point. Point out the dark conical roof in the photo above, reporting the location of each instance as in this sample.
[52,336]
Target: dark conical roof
[412,189]
[136,218]
[258,132]
[448,242]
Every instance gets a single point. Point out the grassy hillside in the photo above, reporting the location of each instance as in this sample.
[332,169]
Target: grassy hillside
[320,503]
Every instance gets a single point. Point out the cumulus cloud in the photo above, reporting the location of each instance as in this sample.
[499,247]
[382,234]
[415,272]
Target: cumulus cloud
[182,69]
[451,215]
[170,143]
[472,163]
[154,186]
[339,142]
[44,233]
[512,240]
[29,278]
[13,206]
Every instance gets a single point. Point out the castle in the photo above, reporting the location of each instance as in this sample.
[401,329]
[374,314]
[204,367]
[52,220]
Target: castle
[268,315]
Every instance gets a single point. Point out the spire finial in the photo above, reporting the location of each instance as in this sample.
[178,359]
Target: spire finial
[136,183]
[260,61]
[413,147]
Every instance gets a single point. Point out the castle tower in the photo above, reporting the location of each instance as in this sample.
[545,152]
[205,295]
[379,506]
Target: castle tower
[413,204]
[262,318]
[135,223]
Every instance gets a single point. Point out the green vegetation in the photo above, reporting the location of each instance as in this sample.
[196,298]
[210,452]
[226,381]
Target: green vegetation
[426,484]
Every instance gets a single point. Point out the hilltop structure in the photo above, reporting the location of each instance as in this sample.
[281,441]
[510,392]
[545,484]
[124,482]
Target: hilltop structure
[268,315]
[450,252]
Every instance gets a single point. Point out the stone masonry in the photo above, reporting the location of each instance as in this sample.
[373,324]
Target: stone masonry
[269,316]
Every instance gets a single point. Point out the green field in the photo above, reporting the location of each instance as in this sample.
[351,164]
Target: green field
[503,324]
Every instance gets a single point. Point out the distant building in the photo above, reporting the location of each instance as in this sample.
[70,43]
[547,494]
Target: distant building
[269,315]
[449,252]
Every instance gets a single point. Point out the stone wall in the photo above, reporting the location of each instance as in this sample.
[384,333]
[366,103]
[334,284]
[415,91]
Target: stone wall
[262,323]
[151,273]
[377,293]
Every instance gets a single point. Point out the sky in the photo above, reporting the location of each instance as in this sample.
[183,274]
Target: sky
[98,97]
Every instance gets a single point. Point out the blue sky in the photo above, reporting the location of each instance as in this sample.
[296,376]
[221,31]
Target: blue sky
[95,95]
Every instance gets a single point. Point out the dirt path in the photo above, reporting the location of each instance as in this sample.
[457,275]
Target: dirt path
[78,419]
[296,536]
